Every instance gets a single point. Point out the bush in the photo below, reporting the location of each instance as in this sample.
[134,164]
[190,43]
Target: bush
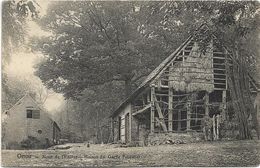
[229,129]
[31,143]
[13,145]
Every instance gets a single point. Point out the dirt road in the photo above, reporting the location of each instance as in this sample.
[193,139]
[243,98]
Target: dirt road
[232,153]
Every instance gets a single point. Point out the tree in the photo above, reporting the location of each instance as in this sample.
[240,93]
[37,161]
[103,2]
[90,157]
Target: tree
[98,42]
[89,116]
[16,88]
[14,31]
[14,28]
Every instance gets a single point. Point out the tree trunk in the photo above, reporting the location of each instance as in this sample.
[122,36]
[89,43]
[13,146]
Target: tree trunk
[238,83]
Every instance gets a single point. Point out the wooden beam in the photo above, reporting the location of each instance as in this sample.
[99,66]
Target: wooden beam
[112,130]
[224,103]
[157,119]
[188,115]
[161,117]
[217,131]
[143,100]
[221,58]
[148,97]
[130,125]
[220,79]
[219,88]
[207,104]
[179,122]
[152,109]
[214,128]
[170,111]
[205,125]
[142,110]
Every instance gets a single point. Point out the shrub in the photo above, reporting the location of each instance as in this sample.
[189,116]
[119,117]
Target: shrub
[13,145]
[31,143]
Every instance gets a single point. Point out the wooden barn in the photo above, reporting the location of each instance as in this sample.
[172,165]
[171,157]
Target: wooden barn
[185,98]
[27,125]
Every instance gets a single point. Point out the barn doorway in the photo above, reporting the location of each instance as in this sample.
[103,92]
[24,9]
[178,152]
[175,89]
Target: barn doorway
[119,128]
[127,128]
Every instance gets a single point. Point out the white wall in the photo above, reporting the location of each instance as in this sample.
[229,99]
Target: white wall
[19,127]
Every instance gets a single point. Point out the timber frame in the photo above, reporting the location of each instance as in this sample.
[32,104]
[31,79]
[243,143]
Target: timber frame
[187,92]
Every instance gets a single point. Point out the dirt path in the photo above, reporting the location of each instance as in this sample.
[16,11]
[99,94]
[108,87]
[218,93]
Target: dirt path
[236,153]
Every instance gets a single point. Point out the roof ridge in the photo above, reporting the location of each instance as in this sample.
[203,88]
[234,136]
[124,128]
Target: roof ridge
[27,94]
[17,102]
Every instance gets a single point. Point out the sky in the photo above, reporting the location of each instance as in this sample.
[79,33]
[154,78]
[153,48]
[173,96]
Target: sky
[22,62]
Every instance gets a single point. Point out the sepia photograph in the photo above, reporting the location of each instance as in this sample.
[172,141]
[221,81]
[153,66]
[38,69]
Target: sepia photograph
[130,83]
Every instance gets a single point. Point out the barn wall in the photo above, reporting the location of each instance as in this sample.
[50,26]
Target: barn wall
[122,114]
[190,71]
[115,129]
[19,127]
[135,130]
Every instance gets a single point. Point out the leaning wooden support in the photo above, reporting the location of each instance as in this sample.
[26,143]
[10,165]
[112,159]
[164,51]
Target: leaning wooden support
[142,110]
[161,117]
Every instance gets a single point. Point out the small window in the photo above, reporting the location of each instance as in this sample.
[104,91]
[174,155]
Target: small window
[35,114]
[29,113]
[39,131]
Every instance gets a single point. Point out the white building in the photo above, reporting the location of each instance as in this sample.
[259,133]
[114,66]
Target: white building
[26,119]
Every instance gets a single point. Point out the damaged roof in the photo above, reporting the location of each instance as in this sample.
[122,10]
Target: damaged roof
[152,75]
[157,70]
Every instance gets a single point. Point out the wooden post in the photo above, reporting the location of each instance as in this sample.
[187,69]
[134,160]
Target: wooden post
[207,104]
[205,133]
[161,117]
[188,115]
[143,100]
[152,108]
[148,97]
[206,117]
[119,128]
[170,101]
[112,129]
[179,120]
[130,125]
[224,103]
[214,127]
[218,118]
